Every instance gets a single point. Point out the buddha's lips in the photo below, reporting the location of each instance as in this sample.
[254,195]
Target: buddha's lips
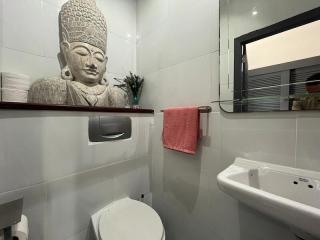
[91,71]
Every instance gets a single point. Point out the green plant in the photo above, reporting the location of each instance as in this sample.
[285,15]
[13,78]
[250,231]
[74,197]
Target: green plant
[133,85]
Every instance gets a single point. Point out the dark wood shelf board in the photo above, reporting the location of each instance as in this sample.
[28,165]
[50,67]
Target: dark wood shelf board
[31,106]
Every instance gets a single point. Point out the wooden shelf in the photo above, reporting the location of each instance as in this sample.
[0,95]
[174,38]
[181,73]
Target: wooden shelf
[31,106]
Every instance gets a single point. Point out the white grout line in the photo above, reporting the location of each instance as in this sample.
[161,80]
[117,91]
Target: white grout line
[29,53]
[181,62]
[83,172]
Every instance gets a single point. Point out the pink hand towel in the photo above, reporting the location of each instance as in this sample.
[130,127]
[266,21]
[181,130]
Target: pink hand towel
[181,129]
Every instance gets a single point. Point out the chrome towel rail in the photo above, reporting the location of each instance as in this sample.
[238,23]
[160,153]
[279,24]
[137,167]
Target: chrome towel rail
[202,109]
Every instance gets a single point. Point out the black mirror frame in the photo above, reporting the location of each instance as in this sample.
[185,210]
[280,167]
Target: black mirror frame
[287,24]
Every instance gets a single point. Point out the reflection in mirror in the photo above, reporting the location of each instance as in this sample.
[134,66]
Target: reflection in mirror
[289,46]
[275,68]
[282,71]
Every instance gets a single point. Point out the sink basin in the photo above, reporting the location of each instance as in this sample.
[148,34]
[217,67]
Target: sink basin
[288,194]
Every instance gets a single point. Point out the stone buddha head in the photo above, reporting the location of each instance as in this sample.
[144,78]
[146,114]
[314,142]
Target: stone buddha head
[83,40]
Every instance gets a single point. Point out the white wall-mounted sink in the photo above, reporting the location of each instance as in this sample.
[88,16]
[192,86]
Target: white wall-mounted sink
[291,195]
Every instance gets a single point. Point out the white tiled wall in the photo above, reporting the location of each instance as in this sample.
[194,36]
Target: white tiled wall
[47,159]
[161,30]
[180,60]
[177,50]
[30,36]
[64,180]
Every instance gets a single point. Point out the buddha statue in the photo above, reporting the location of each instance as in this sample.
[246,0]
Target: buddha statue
[83,40]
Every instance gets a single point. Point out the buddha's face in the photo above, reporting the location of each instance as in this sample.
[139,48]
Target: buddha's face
[86,62]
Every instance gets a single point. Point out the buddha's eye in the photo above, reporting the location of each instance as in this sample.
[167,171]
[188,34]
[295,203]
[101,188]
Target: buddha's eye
[81,51]
[99,57]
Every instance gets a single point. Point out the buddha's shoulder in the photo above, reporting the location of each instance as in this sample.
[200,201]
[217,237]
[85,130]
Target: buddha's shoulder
[49,91]
[53,83]
[117,97]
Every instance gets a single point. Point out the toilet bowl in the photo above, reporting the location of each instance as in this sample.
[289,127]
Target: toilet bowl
[127,219]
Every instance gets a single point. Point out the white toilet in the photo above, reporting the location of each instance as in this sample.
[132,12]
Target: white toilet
[127,219]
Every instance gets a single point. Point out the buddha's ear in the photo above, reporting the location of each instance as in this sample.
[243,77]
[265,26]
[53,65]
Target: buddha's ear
[61,60]
[66,73]
[64,45]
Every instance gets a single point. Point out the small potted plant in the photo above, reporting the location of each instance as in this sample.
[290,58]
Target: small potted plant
[133,84]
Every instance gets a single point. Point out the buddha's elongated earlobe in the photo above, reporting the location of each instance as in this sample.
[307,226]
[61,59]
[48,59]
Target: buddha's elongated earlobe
[104,81]
[66,73]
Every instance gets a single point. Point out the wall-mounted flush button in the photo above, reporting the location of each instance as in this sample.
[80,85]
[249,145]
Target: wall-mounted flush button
[104,128]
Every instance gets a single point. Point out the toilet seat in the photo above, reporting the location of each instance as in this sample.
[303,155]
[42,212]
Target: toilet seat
[128,219]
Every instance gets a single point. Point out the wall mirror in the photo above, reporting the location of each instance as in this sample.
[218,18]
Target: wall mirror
[269,55]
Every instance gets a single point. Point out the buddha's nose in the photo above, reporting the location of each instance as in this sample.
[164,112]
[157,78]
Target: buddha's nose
[92,66]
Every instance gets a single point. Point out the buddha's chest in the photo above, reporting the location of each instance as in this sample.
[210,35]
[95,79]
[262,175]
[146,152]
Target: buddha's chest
[79,94]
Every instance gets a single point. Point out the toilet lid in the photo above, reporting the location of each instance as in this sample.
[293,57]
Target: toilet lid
[128,219]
